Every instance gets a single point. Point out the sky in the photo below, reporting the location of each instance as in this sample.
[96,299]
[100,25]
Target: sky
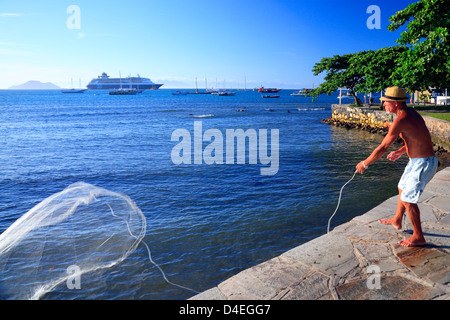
[228,43]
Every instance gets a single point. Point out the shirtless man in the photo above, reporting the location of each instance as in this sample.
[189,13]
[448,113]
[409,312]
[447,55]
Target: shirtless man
[422,165]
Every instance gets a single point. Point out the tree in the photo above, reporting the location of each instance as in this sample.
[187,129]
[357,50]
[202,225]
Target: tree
[377,68]
[420,61]
[336,76]
[426,62]
[366,71]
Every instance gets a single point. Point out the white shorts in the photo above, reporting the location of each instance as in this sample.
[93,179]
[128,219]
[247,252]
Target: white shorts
[418,172]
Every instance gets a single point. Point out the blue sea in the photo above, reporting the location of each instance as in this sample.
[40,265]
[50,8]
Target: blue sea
[205,222]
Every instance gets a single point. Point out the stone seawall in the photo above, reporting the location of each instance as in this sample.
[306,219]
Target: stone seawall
[380,115]
[378,121]
[440,131]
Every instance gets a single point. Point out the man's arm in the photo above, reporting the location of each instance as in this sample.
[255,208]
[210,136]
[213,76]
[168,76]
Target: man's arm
[394,155]
[379,151]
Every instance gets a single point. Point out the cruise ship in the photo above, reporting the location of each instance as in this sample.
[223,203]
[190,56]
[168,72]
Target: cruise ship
[104,82]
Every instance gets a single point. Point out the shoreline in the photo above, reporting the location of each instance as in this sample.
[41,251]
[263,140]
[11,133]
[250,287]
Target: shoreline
[358,260]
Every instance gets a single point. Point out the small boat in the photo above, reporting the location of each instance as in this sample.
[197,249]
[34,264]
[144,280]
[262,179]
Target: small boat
[119,92]
[200,92]
[73,90]
[179,93]
[226,93]
[201,115]
[268,90]
[300,93]
[270,96]
[223,93]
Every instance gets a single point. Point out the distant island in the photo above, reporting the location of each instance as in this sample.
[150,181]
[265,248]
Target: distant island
[35,85]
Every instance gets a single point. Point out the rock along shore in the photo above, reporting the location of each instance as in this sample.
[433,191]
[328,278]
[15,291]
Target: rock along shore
[378,122]
[360,259]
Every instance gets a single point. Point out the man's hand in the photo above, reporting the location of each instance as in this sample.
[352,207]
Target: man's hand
[360,167]
[394,155]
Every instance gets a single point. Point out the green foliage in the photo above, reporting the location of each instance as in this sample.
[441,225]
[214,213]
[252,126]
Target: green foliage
[336,76]
[421,60]
[426,63]
[427,16]
[376,67]
[366,71]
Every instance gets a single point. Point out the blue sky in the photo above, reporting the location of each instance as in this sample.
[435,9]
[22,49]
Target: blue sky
[274,43]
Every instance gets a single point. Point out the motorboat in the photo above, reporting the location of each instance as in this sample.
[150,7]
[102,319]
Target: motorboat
[73,90]
[223,93]
[124,92]
[300,93]
[268,90]
[179,93]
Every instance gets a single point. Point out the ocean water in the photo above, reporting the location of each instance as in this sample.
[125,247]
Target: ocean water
[205,222]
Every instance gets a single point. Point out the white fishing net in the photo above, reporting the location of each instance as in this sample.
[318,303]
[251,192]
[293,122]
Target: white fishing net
[78,230]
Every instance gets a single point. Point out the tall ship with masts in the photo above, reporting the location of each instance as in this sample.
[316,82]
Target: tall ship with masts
[72,89]
[105,82]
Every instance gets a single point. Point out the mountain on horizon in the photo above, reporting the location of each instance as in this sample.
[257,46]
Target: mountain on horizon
[35,85]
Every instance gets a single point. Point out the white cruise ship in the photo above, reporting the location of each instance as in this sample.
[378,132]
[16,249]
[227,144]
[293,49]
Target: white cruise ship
[104,82]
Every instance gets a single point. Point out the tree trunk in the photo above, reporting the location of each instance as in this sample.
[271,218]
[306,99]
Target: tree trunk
[357,101]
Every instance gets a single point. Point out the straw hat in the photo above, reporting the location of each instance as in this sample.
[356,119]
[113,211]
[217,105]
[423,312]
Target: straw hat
[394,94]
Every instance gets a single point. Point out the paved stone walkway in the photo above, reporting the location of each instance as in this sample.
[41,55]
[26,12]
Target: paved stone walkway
[358,260]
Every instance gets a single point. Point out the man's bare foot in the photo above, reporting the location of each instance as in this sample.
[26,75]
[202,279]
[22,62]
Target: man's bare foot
[397,225]
[413,242]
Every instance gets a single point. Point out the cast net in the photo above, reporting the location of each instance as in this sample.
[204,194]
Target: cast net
[81,229]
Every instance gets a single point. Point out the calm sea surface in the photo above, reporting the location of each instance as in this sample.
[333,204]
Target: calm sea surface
[205,223]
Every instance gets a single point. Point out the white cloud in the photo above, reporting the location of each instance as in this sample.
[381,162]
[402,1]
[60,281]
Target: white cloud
[10,15]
